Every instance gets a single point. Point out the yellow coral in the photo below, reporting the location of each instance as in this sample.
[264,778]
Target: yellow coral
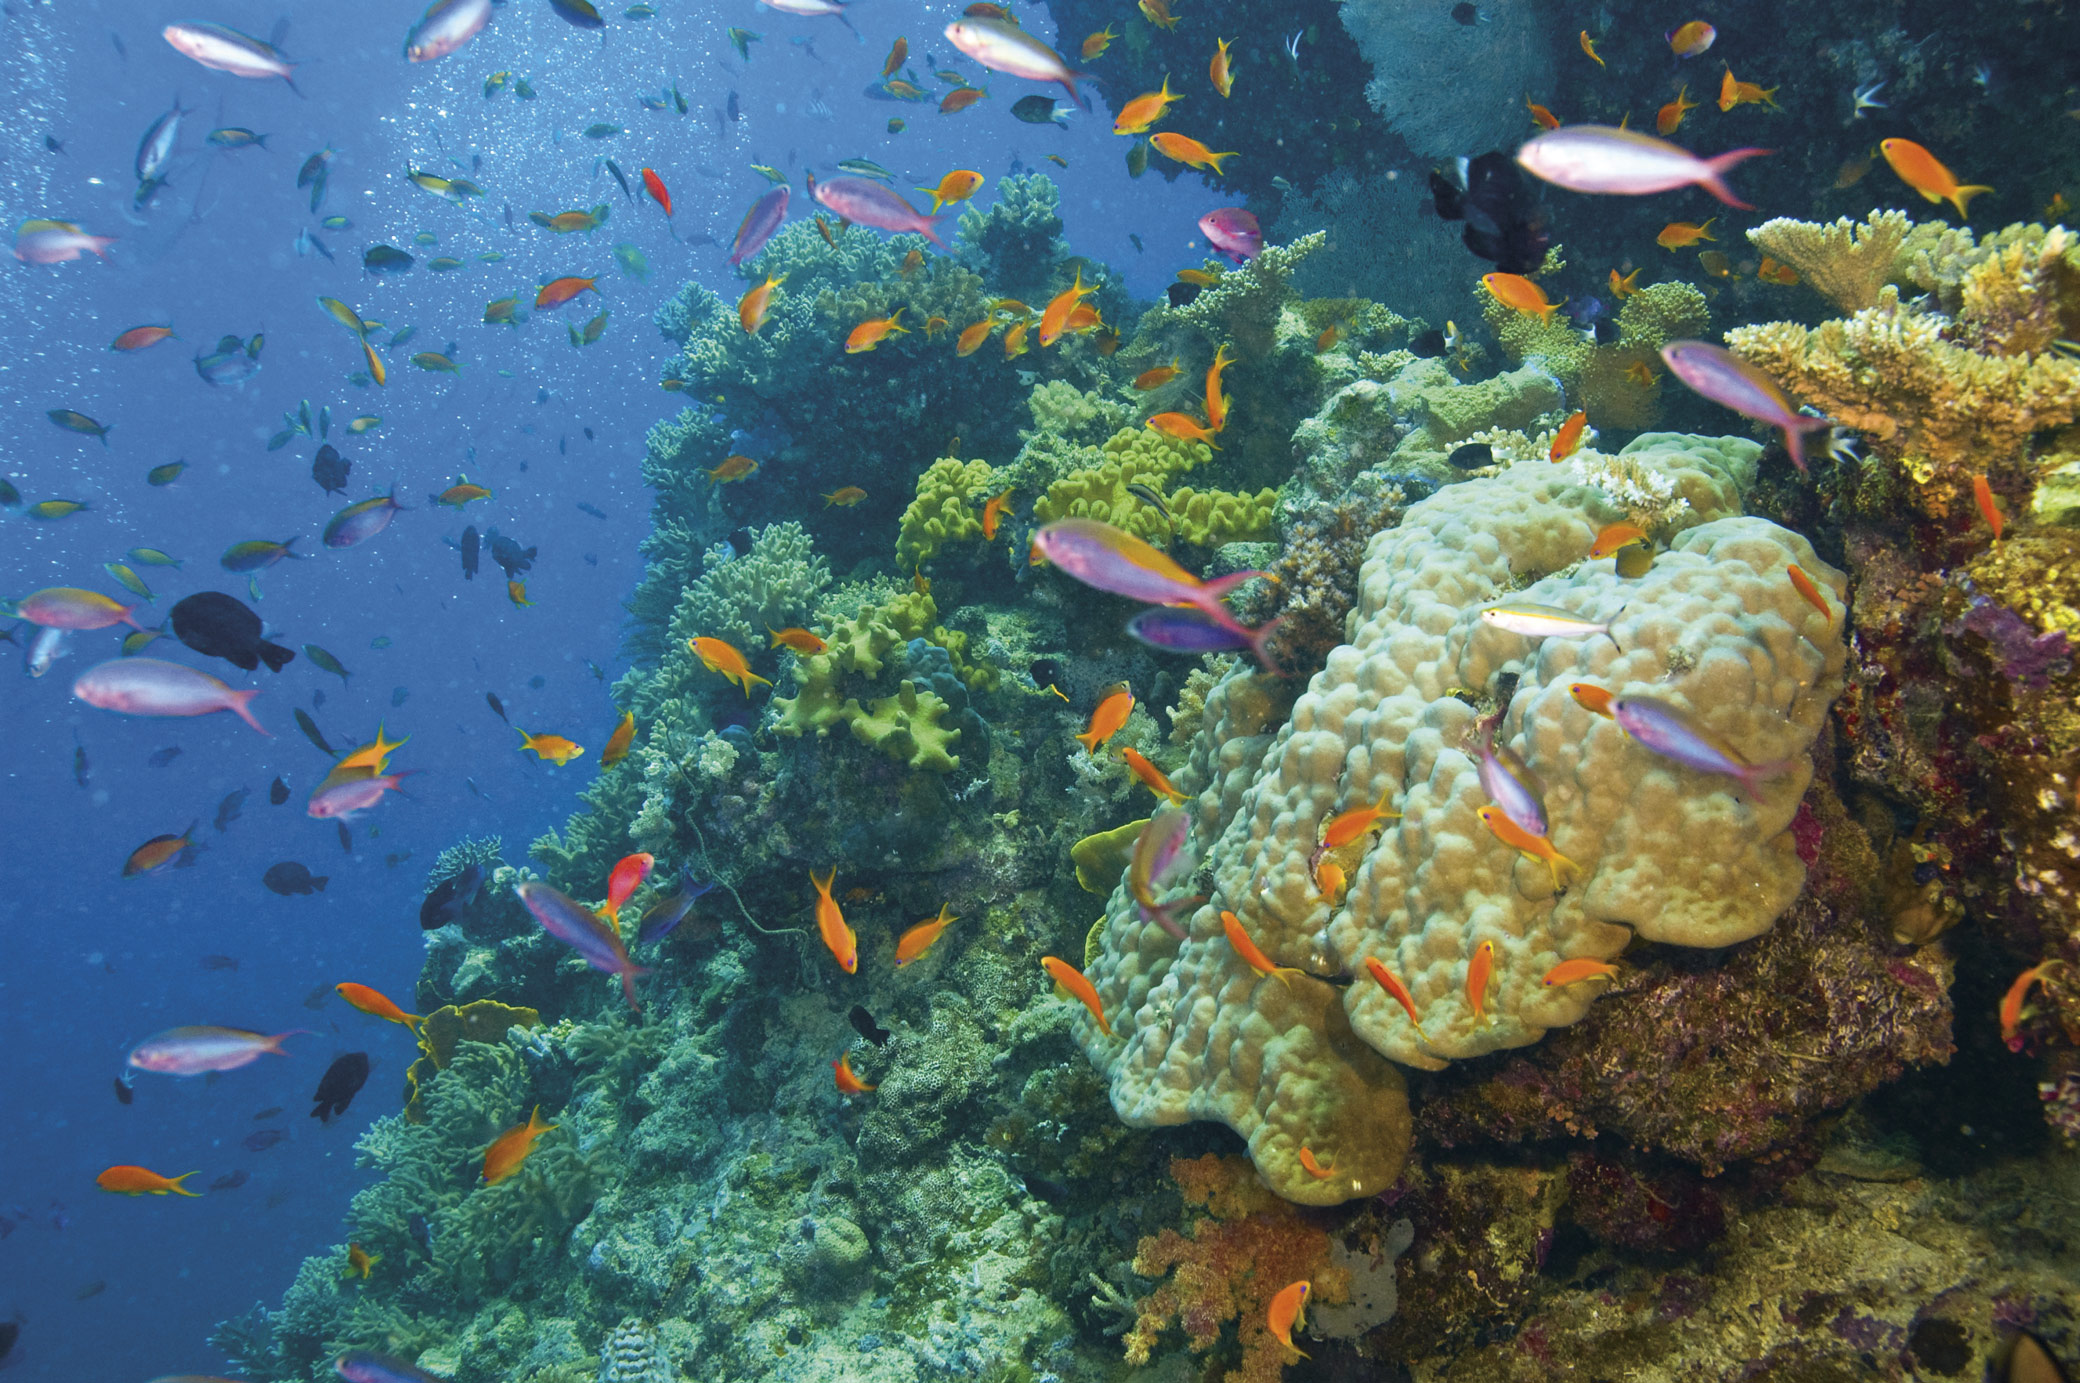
[947,509]
[1846,263]
[1600,378]
[1138,455]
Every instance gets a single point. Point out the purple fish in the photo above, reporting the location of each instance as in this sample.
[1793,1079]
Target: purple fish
[760,222]
[1234,232]
[1512,786]
[192,1051]
[660,918]
[1724,378]
[69,607]
[869,203]
[366,1366]
[151,687]
[1110,559]
[1159,857]
[576,927]
[1606,159]
[357,523]
[1183,631]
[347,797]
[1669,733]
[57,242]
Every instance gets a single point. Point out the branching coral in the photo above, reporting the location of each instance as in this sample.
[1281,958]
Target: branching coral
[1606,380]
[1847,263]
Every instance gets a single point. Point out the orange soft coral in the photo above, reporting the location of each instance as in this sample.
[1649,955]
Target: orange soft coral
[1235,1260]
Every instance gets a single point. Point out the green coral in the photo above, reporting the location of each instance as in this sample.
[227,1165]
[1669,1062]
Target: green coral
[1602,379]
[949,498]
[1140,455]
[906,728]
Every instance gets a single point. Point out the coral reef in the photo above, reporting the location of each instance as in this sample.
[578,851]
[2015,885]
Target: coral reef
[1616,384]
[1203,518]
[1846,262]
[948,508]
[1448,88]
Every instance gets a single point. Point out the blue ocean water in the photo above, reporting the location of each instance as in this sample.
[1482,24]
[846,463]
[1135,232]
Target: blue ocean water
[109,1286]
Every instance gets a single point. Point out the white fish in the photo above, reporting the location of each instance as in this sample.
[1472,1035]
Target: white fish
[1542,621]
[224,49]
[47,648]
[1003,47]
[1606,159]
[150,687]
[155,150]
[811,9]
[445,27]
[56,242]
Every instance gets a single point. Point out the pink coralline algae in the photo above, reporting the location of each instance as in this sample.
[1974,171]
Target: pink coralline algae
[2025,656]
[2061,1099]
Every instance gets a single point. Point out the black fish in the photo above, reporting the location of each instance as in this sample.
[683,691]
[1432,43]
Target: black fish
[222,626]
[1606,331]
[229,808]
[1046,672]
[79,764]
[863,1023]
[260,1140]
[268,1113]
[1464,13]
[449,897]
[416,1225]
[330,469]
[289,877]
[498,708]
[1472,456]
[338,1086]
[398,696]
[1427,345]
[1505,221]
[509,555]
[470,540]
[732,109]
[10,1331]
[1038,110]
[346,838]
[588,433]
[220,962]
[277,792]
[1182,294]
[124,1094]
[230,1181]
[310,730]
[162,757]
[585,508]
[90,1290]
[386,259]
[1046,1188]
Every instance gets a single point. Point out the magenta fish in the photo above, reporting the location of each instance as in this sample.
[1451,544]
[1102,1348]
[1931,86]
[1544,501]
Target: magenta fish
[1110,559]
[69,607]
[1234,232]
[345,798]
[445,27]
[1512,786]
[1002,46]
[1183,631]
[1671,734]
[572,923]
[152,687]
[1606,159]
[1159,857]
[1724,378]
[56,242]
[195,1051]
[357,523]
[366,1366]
[760,223]
[868,203]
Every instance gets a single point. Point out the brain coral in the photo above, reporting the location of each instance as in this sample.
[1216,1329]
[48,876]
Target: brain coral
[1667,854]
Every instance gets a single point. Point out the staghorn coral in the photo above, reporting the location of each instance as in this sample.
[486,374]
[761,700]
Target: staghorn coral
[948,508]
[1666,853]
[1846,262]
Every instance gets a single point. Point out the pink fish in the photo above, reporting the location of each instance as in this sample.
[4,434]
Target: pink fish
[760,222]
[1606,159]
[576,927]
[1724,378]
[1671,734]
[1002,46]
[347,797]
[445,27]
[68,607]
[868,203]
[811,9]
[1233,231]
[151,687]
[195,1051]
[224,49]
[56,242]
[1100,555]
[1159,857]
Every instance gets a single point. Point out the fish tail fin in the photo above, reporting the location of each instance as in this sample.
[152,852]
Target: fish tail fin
[239,707]
[628,977]
[1755,775]
[1069,82]
[1219,586]
[175,1186]
[1714,180]
[1795,438]
[930,230]
[823,885]
[275,656]
[1958,199]
[1259,638]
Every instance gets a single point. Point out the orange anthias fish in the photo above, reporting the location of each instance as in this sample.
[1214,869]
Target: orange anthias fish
[1157,378]
[1738,93]
[957,186]
[912,945]
[1809,591]
[1221,71]
[554,748]
[618,743]
[1396,990]
[993,514]
[1641,373]
[912,262]
[1015,340]
[139,1181]
[870,334]
[1144,110]
[844,497]
[377,1004]
[557,292]
[1569,437]
[800,640]
[360,1262]
[830,923]
[137,338]
[1112,712]
[654,185]
[1151,777]
[1624,287]
[1329,880]
[971,338]
[1055,316]
[732,468]
[1540,116]
[934,325]
[1314,1168]
[2018,993]
[1346,826]
[1252,955]
[848,1083]
[754,305]
[1216,401]
[1284,1315]
[1479,971]
[1204,278]
[1575,971]
[1516,291]
[516,591]
[1691,39]
[1158,13]
[1669,118]
[1614,536]
[1589,47]
[1327,340]
[1188,151]
[1079,987]
[897,51]
[628,875]
[1592,698]
[1521,840]
[1094,45]
[158,852]
[959,99]
[508,1153]
[1677,235]
[718,656]
[1982,495]
[1769,271]
[1182,427]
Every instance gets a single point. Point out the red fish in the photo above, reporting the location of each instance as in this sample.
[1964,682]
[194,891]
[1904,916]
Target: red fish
[627,877]
[654,185]
[849,1083]
[1982,495]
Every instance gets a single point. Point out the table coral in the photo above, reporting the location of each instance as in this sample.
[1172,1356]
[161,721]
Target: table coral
[1846,262]
[1668,854]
